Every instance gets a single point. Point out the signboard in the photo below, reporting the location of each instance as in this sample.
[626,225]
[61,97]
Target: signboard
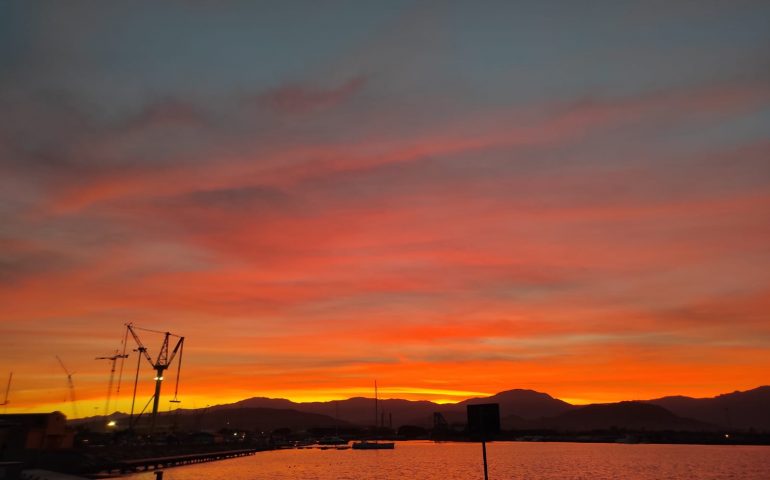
[484,418]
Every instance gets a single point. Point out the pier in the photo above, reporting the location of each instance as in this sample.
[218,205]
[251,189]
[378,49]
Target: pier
[154,463]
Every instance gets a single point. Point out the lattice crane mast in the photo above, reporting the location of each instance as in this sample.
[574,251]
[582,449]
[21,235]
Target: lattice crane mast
[161,363]
[113,359]
[71,387]
[7,392]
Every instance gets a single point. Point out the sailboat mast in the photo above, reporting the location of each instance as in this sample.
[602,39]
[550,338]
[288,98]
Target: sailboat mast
[376,417]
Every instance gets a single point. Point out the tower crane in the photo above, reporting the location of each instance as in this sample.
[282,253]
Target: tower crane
[71,387]
[160,364]
[7,391]
[112,359]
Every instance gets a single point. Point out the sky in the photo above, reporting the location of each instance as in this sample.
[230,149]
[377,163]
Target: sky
[452,198]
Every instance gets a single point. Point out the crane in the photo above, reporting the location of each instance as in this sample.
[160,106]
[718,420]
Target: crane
[113,359]
[71,387]
[7,391]
[160,364]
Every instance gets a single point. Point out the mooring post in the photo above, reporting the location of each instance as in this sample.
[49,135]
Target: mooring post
[158,474]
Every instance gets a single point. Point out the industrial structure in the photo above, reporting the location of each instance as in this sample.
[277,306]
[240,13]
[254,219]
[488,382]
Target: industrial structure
[113,359]
[163,361]
[71,386]
[7,392]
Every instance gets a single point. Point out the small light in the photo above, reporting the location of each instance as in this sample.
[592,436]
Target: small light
[158,378]
[111,423]
[727,435]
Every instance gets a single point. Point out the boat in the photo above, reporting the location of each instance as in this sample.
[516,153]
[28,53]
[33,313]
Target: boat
[374,444]
[332,440]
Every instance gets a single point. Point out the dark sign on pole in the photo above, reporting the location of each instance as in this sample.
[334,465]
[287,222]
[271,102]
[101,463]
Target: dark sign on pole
[484,419]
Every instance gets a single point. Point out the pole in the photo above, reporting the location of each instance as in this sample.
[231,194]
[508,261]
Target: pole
[136,381]
[484,454]
[109,388]
[483,443]
[158,380]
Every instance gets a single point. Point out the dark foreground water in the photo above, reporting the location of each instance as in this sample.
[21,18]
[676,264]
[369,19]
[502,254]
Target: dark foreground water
[507,460]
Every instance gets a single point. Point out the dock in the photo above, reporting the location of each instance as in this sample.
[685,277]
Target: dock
[47,475]
[154,463]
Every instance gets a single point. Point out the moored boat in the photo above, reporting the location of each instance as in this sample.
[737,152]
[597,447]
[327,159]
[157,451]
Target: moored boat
[374,444]
[367,445]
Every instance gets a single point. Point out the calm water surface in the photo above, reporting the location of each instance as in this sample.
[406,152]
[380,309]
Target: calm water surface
[507,460]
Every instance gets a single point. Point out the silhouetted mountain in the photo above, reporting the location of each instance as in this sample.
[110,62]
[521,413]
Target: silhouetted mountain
[739,410]
[257,419]
[258,402]
[625,415]
[519,409]
[357,410]
[526,404]
[212,419]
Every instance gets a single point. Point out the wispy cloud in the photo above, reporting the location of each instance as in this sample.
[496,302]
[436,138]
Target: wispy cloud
[418,199]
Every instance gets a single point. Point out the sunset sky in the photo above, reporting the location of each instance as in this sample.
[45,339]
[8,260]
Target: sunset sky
[453,198]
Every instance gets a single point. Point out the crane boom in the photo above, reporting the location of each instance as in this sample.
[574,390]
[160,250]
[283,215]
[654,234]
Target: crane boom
[71,387]
[162,363]
[139,344]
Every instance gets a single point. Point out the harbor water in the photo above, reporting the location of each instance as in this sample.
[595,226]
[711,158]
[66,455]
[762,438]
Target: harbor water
[507,460]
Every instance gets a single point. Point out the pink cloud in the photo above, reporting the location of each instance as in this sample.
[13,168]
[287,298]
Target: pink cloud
[295,99]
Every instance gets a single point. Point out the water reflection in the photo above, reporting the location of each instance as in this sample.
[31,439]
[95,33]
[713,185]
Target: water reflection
[507,460]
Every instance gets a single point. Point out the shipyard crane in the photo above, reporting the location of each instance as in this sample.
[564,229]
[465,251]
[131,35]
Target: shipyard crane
[112,359]
[71,387]
[7,391]
[160,364]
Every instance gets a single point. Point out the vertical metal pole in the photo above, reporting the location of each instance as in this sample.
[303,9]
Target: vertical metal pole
[158,380]
[136,381]
[483,443]
[484,453]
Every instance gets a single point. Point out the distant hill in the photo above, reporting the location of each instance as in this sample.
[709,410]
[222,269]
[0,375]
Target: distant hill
[258,419]
[519,409]
[526,404]
[625,415]
[357,410]
[741,410]
[210,419]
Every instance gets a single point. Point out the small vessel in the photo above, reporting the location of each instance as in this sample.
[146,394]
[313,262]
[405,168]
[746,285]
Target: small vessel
[374,444]
[332,440]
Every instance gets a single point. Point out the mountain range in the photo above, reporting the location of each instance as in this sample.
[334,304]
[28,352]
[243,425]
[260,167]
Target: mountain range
[519,409]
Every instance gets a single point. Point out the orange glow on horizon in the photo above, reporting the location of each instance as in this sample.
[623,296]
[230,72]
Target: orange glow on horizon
[373,205]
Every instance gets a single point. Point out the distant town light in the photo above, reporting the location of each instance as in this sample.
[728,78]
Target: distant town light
[111,423]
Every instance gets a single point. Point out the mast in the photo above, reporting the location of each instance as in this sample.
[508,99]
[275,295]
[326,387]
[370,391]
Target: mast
[376,416]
